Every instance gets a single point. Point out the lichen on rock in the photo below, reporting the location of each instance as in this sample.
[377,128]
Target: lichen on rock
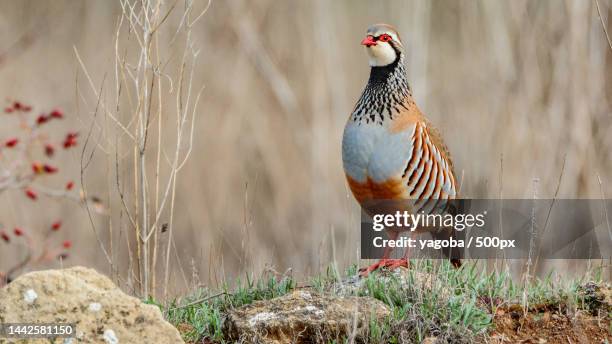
[304,317]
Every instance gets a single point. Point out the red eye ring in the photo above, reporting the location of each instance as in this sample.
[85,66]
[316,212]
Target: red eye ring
[384,38]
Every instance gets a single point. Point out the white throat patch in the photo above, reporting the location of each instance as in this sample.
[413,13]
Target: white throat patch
[381,54]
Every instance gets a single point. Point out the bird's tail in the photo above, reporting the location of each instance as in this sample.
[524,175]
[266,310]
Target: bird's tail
[454,254]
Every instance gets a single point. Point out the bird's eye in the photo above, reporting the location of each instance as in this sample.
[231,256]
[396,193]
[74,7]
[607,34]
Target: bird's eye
[384,38]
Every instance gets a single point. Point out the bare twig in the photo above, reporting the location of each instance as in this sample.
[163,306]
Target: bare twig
[82,177]
[603,25]
[140,76]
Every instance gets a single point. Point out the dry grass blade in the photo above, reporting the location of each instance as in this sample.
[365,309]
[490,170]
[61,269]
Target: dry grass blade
[603,25]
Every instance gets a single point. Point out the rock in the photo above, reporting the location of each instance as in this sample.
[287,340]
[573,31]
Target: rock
[101,311]
[304,317]
[597,297]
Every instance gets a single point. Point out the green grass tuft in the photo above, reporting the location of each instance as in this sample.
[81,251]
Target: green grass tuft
[430,299]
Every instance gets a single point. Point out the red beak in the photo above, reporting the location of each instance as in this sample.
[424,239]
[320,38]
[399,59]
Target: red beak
[368,41]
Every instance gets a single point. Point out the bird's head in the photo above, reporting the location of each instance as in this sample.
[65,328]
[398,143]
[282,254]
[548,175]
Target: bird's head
[383,45]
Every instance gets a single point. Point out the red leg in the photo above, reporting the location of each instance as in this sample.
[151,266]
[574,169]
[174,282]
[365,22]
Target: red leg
[385,262]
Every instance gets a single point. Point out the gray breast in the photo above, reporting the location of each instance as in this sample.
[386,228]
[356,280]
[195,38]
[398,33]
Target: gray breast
[370,150]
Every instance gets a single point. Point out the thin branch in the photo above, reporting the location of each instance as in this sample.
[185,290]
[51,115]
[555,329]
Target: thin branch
[201,14]
[82,175]
[603,25]
[91,84]
[198,301]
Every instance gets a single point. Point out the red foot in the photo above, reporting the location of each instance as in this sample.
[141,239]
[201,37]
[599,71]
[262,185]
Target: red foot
[389,264]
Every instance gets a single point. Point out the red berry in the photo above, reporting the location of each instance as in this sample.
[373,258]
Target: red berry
[8,110]
[49,150]
[37,167]
[42,119]
[11,142]
[31,194]
[67,244]
[49,169]
[4,235]
[57,113]
[70,140]
[18,231]
[56,225]
[69,185]
[27,108]
[17,105]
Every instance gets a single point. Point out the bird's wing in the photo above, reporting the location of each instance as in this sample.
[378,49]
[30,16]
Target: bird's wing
[436,138]
[429,172]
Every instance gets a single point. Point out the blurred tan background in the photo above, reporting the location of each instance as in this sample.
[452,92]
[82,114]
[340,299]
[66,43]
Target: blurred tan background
[516,88]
